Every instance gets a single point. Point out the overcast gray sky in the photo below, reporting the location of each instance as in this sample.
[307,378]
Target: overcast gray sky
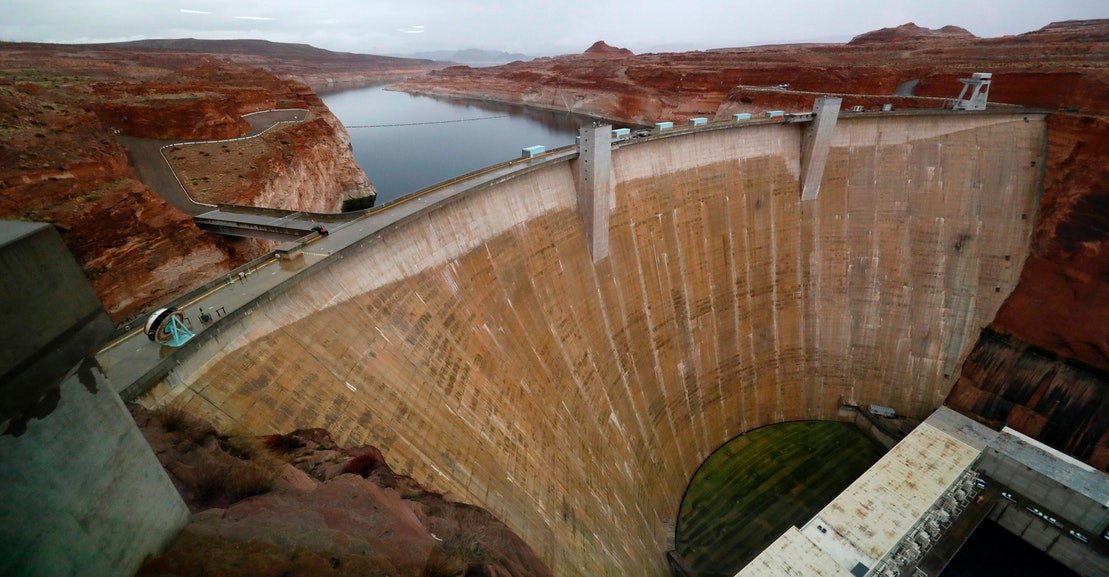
[536,28]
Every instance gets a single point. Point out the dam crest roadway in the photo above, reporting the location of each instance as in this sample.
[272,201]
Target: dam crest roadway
[469,333]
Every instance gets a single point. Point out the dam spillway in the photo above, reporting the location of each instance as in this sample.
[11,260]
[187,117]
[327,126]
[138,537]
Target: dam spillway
[487,355]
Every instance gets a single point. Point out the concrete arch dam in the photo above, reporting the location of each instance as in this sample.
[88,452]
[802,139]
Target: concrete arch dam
[484,351]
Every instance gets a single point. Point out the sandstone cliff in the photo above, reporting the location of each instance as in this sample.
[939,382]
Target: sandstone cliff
[1061,301]
[1063,404]
[600,49]
[322,171]
[304,165]
[57,164]
[313,66]
[60,160]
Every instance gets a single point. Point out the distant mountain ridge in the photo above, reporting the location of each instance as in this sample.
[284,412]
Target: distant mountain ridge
[317,67]
[253,47]
[471,56]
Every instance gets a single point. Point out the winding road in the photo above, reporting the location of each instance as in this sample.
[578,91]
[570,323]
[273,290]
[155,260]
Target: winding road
[152,168]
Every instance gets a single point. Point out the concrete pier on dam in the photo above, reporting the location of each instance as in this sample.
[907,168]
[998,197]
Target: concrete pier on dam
[485,352]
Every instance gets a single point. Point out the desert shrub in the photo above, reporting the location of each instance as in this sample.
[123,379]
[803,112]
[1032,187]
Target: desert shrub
[175,419]
[231,480]
[461,554]
[363,464]
[244,447]
[282,444]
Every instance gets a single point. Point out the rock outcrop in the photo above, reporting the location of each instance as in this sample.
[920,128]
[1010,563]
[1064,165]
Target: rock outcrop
[300,504]
[910,32]
[600,49]
[1005,382]
[59,164]
[322,171]
[304,165]
[1060,302]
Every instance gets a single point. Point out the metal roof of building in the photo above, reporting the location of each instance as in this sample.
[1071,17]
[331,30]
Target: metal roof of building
[868,519]
[880,507]
[793,554]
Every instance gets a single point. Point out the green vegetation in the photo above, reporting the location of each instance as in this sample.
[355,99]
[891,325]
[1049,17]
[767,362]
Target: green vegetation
[752,489]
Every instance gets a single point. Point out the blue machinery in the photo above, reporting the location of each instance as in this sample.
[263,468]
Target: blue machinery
[165,327]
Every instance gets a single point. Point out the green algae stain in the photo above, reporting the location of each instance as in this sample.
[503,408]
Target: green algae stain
[752,489]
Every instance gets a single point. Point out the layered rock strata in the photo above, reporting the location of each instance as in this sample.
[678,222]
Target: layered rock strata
[1061,65]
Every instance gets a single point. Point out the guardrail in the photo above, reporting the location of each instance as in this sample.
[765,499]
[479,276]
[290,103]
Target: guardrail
[135,322]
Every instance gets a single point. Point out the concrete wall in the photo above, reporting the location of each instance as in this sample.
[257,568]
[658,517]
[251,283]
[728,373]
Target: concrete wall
[49,319]
[481,348]
[81,493]
[1059,485]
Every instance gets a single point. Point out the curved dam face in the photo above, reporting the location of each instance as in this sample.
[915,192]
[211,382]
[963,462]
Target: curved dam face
[484,352]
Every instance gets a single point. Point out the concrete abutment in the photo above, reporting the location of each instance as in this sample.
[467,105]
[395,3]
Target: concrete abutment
[594,186]
[81,492]
[818,140]
[489,354]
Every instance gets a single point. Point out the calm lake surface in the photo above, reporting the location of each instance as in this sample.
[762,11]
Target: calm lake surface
[403,159]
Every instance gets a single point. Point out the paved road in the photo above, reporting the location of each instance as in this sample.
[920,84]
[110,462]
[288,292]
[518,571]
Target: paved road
[154,171]
[130,358]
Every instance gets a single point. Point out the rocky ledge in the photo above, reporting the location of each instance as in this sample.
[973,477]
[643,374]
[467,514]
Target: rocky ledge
[298,504]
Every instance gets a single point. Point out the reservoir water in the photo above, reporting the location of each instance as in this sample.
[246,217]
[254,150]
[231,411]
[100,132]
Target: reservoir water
[403,159]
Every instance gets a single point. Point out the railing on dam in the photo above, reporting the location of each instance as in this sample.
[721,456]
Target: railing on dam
[133,363]
[518,165]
